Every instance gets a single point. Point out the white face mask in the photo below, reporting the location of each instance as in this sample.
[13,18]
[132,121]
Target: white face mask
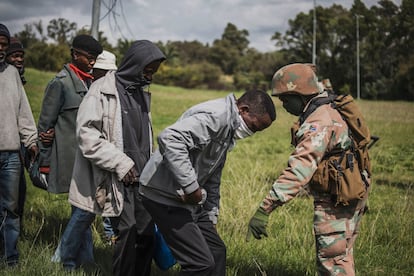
[242,131]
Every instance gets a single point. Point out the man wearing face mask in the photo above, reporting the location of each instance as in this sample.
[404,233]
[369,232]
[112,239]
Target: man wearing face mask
[180,184]
[321,135]
[115,141]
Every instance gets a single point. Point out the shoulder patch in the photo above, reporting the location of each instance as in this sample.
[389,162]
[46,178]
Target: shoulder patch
[313,127]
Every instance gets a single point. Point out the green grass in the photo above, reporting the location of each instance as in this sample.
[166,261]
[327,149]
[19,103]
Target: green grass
[384,247]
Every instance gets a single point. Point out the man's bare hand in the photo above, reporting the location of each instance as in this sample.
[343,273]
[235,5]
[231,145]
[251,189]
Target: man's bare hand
[194,198]
[131,177]
[47,137]
[33,151]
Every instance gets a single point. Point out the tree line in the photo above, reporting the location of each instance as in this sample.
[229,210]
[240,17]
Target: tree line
[386,59]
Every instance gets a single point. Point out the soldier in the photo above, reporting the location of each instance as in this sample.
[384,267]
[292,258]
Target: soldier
[322,134]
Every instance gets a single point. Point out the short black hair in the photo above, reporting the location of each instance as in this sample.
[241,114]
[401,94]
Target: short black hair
[259,103]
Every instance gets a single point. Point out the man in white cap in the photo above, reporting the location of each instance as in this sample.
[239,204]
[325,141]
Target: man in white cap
[104,62]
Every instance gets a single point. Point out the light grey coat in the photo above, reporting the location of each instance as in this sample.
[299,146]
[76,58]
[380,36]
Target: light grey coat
[100,161]
[16,120]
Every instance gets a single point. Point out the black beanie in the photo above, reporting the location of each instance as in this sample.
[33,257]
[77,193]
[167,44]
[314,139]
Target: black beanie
[15,46]
[88,44]
[5,32]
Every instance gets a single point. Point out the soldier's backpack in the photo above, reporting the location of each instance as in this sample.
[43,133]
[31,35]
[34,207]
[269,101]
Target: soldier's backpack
[344,174]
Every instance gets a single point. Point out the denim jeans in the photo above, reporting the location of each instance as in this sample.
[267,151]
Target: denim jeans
[22,187]
[10,167]
[76,245]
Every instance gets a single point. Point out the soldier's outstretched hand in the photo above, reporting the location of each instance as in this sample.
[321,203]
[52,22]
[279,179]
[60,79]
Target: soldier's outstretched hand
[257,225]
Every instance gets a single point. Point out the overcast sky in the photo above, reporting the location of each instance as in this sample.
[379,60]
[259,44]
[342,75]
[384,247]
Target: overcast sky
[163,20]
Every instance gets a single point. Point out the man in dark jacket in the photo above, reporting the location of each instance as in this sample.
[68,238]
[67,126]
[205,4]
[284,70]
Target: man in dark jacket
[115,140]
[57,121]
[57,118]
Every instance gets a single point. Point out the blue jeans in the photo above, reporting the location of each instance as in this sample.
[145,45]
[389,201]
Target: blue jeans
[10,167]
[76,245]
[22,187]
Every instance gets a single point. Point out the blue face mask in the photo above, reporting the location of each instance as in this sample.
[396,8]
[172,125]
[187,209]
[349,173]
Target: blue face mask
[243,130]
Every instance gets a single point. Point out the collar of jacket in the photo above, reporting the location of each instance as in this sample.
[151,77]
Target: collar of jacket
[234,113]
[108,85]
[80,87]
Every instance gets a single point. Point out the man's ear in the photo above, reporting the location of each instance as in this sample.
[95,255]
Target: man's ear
[243,108]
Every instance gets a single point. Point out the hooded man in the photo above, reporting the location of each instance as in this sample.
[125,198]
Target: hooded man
[115,141]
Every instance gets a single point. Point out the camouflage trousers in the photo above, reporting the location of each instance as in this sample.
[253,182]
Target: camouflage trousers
[336,229]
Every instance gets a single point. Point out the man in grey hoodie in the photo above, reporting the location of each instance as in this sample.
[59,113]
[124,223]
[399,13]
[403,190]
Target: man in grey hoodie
[16,126]
[180,184]
[115,141]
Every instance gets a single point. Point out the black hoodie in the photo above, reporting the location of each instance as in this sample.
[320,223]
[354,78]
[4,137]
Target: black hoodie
[135,103]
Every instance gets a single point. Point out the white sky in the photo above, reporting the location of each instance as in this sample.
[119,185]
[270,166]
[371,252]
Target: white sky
[163,20]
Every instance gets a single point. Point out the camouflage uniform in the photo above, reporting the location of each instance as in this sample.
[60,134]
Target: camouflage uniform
[335,227]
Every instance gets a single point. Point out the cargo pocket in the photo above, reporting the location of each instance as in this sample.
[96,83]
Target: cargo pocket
[331,236]
[346,183]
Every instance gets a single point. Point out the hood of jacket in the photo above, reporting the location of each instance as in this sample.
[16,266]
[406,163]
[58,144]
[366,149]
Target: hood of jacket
[140,54]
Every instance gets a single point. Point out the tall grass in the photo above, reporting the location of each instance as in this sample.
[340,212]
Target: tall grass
[386,242]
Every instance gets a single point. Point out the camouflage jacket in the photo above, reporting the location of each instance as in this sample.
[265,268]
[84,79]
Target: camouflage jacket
[322,132]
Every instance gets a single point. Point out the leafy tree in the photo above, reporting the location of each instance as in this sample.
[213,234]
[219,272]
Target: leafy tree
[226,51]
[47,57]
[188,51]
[385,43]
[27,37]
[61,30]
[403,86]
[122,46]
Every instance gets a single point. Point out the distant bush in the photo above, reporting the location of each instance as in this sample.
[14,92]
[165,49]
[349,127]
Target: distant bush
[200,75]
[47,57]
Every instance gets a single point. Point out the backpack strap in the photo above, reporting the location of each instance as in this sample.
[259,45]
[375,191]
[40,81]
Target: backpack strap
[315,103]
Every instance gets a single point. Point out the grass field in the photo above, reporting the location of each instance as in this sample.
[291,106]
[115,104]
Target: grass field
[384,247]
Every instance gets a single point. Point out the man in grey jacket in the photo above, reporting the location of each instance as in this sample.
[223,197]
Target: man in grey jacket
[180,183]
[16,126]
[115,140]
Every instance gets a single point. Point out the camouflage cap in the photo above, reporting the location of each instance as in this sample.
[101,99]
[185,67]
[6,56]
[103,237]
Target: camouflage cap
[296,78]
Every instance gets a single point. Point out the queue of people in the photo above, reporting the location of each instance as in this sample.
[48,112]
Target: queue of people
[95,142]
